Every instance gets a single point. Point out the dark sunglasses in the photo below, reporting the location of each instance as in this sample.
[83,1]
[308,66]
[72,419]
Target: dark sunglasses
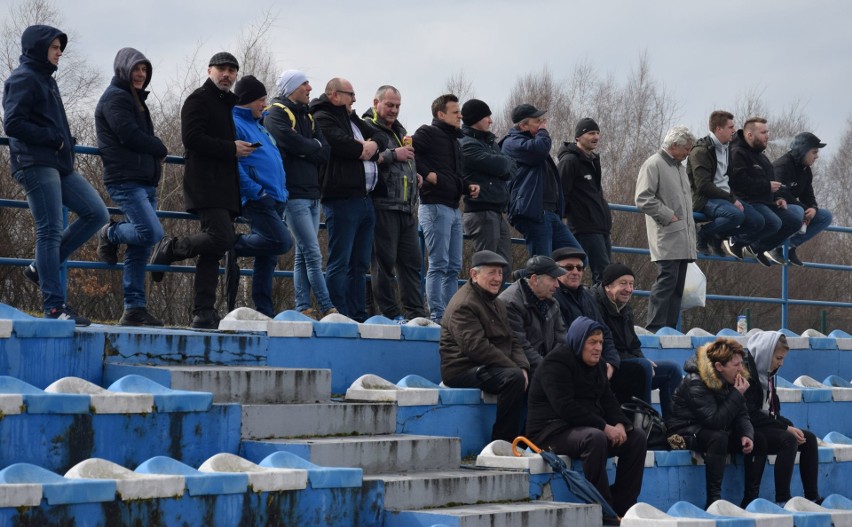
[571,267]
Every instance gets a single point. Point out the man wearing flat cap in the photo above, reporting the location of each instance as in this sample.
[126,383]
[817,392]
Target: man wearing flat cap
[533,313]
[536,196]
[477,349]
[586,209]
[211,185]
[793,170]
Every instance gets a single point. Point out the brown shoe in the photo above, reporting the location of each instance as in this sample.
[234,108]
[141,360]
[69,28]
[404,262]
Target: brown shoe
[311,313]
[329,311]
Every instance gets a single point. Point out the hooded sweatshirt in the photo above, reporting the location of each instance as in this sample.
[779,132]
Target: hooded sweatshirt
[764,407]
[129,149]
[34,116]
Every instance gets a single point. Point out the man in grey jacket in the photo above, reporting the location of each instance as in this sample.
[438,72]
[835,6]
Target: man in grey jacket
[663,195]
[533,312]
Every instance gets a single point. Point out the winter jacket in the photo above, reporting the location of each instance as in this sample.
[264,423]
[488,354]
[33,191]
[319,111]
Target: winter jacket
[396,188]
[705,401]
[586,208]
[301,145]
[129,149]
[798,179]
[475,331]
[750,172]
[538,333]
[437,150]
[567,393]
[33,114]
[526,189]
[701,169]
[620,324]
[662,190]
[580,303]
[211,178]
[261,172]
[764,406]
[484,164]
[343,176]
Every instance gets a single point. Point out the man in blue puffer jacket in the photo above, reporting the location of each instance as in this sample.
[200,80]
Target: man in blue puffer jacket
[132,157]
[536,200]
[263,193]
[42,159]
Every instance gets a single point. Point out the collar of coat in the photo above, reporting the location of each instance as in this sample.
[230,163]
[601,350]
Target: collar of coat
[708,373]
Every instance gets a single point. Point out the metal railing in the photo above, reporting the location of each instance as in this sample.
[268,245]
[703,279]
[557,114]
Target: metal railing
[784,300]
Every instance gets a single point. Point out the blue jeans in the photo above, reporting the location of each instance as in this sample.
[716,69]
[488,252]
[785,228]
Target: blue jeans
[442,231]
[543,237]
[269,238]
[302,217]
[666,376]
[728,220]
[819,223]
[598,249]
[350,225]
[140,230]
[780,225]
[47,192]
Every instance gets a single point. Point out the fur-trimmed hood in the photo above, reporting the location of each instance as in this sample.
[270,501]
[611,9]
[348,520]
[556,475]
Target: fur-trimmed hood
[703,366]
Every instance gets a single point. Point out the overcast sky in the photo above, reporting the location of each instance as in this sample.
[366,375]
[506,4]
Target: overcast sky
[706,54]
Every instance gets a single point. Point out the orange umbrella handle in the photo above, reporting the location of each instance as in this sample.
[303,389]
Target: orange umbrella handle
[522,439]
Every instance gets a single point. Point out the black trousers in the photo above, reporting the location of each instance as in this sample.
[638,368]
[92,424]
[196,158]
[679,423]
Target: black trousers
[666,294]
[592,446]
[780,442]
[217,237]
[508,385]
[396,258]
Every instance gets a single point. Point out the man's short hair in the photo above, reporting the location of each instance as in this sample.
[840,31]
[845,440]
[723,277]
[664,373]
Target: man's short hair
[333,85]
[383,90]
[719,119]
[678,135]
[722,350]
[748,126]
[440,104]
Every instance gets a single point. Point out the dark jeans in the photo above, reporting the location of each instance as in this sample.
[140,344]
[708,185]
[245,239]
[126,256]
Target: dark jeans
[819,223]
[350,225]
[217,237]
[140,230]
[396,258]
[592,446]
[728,220]
[782,443]
[780,224]
[666,294]
[508,385]
[598,248]
[269,238]
[489,231]
[543,237]
[666,376]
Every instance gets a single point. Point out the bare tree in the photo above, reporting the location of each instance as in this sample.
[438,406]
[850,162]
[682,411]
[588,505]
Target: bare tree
[459,85]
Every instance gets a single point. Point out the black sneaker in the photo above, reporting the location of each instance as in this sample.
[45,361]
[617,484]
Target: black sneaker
[776,255]
[206,319]
[66,312]
[107,251]
[161,255]
[762,259]
[793,258]
[733,249]
[138,316]
[31,274]
[716,247]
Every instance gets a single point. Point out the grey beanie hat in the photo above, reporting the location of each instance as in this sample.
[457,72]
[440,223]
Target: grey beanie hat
[288,81]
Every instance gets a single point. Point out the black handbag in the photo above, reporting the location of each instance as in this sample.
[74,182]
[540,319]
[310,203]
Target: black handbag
[649,421]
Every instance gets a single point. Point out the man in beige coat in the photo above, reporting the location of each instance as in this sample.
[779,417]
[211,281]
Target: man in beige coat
[663,195]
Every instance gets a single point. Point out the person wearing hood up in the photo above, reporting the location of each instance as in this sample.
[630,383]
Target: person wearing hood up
[793,170]
[41,150]
[774,433]
[132,156]
[572,411]
[709,412]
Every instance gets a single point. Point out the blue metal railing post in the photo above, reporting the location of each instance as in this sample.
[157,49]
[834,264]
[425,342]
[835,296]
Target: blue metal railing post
[785,294]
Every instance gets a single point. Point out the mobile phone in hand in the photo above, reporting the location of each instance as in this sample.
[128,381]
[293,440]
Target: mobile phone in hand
[256,145]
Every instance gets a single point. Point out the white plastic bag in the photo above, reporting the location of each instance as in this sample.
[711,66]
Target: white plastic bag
[694,288]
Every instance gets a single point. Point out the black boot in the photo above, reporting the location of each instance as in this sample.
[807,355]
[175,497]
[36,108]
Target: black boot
[714,469]
[753,465]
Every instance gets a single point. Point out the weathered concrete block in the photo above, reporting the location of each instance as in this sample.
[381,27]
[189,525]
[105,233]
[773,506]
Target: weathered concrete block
[56,489]
[839,517]
[419,490]
[11,403]
[261,479]
[166,399]
[374,388]
[131,485]
[197,483]
[726,508]
[5,328]
[104,401]
[318,477]
[244,319]
[379,327]
[498,454]
[40,402]
[499,515]
[644,515]
[318,419]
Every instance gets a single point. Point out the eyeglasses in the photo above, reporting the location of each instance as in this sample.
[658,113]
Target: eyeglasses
[570,267]
[349,93]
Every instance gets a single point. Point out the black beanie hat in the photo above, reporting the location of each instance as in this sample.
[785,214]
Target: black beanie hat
[249,89]
[614,271]
[584,125]
[474,111]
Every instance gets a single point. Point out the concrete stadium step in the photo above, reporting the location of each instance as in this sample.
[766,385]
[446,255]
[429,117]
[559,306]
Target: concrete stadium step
[536,513]
[427,490]
[265,421]
[385,454]
[239,384]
